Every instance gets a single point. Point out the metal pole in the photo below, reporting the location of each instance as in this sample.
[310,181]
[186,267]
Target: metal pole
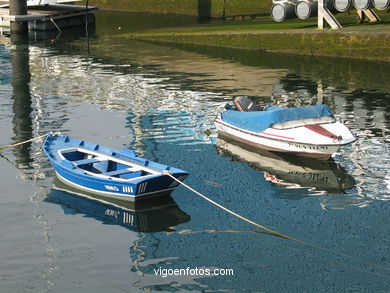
[369,13]
[324,16]
[18,7]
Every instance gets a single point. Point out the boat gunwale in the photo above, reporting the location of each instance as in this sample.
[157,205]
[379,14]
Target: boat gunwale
[224,123]
[50,146]
[110,158]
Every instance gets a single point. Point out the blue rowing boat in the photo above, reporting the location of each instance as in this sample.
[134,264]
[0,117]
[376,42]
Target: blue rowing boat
[112,173]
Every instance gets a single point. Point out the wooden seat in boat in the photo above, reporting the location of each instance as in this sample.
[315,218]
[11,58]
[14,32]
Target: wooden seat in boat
[117,172]
[86,161]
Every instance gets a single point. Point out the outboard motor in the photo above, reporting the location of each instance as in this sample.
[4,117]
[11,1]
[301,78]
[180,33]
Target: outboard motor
[245,104]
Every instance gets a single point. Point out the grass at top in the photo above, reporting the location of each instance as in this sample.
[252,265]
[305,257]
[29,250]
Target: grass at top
[369,41]
[266,23]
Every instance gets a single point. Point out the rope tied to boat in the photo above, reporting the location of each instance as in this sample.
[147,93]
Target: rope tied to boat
[23,142]
[168,173]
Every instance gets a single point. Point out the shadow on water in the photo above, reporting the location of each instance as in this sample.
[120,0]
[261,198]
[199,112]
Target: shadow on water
[289,171]
[154,215]
[358,73]
[301,79]
[22,104]
[53,37]
[23,107]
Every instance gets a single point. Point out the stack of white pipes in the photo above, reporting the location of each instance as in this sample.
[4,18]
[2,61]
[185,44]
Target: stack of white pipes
[344,5]
[283,9]
[306,8]
[367,4]
[286,9]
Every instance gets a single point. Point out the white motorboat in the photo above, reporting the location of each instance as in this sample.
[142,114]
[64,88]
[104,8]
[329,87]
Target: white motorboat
[310,131]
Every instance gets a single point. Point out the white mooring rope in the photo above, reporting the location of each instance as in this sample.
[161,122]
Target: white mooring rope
[166,172]
[23,142]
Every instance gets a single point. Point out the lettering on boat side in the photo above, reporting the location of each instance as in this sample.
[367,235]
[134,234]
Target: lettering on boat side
[127,189]
[307,147]
[112,213]
[112,188]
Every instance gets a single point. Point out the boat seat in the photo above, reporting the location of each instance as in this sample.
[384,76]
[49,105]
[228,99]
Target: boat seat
[86,161]
[245,104]
[118,172]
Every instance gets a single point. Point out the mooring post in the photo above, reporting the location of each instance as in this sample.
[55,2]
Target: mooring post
[18,7]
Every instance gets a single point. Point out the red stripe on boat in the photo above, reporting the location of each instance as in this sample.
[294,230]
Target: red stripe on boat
[321,130]
[281,136]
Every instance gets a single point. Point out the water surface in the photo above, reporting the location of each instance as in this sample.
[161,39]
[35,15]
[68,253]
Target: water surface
[161,101]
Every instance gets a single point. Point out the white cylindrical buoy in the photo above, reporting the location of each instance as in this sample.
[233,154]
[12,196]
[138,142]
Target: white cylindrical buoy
[331,7]
[305,9]
[362,4]
[381,4]
[282,10]
[343,5]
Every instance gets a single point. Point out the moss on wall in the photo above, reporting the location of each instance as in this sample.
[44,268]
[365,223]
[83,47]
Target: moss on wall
[327,43]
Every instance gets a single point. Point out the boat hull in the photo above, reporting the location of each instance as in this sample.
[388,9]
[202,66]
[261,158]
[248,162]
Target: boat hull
[256,140]
[147,178]
[100,189]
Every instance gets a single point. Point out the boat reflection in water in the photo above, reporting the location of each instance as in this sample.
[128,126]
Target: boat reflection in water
[289,170]
[154,215]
